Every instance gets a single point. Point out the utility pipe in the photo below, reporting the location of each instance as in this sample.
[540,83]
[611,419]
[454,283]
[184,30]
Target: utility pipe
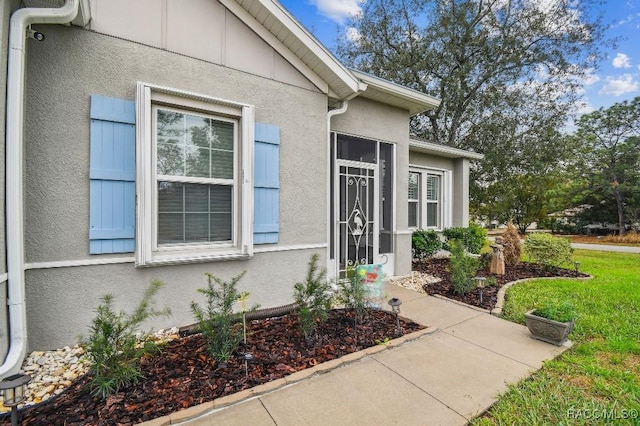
[16,70]
[341,110]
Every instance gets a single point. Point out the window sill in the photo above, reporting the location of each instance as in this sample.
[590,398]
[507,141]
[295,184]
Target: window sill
[165,260]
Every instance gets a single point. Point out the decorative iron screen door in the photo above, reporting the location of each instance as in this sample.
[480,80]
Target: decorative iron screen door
[357,214]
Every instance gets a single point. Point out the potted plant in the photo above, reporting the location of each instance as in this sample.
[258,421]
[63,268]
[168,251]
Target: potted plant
[552,322]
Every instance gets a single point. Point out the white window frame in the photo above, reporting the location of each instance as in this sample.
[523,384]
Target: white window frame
[446,197]
[148,252]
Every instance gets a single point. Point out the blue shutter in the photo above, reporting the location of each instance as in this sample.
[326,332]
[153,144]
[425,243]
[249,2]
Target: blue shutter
[266,195]
[112,176]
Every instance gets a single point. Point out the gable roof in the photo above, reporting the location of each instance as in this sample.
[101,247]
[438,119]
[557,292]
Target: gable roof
[276,26]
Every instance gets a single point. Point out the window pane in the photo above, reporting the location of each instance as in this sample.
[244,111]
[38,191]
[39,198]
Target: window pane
[432,214]
[433,187]
[194,213]
[414,179]
[356,149]
[413,215]
[195,146]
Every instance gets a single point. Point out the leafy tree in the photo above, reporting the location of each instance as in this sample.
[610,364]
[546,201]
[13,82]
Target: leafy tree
[507,73]
[610,159]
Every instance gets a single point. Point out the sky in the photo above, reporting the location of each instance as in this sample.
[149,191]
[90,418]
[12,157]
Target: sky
[617,78]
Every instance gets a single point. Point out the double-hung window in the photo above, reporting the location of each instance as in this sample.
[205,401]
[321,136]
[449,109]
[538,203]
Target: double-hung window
[194,170]
[426,197]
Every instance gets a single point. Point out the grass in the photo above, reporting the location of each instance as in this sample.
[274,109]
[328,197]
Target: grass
[598,380]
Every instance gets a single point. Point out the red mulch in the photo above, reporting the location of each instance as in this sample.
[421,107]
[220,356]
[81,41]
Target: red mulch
[183,374]
[440,269]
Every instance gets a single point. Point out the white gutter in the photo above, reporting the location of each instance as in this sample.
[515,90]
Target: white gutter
[20,21]
[331,269]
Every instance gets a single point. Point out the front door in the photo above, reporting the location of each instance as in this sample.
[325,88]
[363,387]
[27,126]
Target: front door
[357,205]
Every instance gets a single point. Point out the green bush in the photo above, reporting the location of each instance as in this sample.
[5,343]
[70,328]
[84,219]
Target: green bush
[217,321]
[114,346]
[561,312]
[550,251]
[352,294]
[463,268]
[425,243]
[313,297]
[473,238]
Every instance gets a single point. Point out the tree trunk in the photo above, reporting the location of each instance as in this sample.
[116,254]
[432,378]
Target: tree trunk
[620,206]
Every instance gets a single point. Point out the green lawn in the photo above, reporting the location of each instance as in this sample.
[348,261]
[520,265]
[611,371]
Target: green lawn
[598,380]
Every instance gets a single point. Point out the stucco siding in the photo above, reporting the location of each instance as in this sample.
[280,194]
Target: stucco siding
[57,133]
[202,29]
[61,301]
[430,161]
[81,63]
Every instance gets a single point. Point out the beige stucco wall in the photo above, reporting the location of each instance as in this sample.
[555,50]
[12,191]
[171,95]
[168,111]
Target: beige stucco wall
[374,120]
[80,63]
[202,29]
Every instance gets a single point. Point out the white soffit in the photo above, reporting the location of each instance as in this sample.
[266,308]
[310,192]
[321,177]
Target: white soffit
[381,90]
[292,39]
[442,150]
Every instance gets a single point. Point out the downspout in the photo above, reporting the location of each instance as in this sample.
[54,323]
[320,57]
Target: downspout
[343,108]
[16,69]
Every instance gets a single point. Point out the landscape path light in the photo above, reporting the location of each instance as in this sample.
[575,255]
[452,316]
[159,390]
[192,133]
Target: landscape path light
[395,307]
[12,389]
[480,283]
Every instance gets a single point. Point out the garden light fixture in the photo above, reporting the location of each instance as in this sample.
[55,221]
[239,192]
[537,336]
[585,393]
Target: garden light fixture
[395,307]
[480,283]
[12,389]
[577,266]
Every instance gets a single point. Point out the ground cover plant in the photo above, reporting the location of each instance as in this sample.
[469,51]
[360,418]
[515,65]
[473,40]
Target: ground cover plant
[598,380]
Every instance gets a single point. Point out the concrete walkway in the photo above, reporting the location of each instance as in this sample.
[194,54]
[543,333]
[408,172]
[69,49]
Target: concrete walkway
[446,377]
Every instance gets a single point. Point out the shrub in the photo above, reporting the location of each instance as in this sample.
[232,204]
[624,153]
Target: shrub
[561,312]
[352,294]
[217,321]
[463,268]
[114,346]
[512,246]
[548,250]
[473,238]
[313,297]
[425,243]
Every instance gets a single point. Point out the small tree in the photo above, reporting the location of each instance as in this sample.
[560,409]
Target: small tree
[114,347]
[314,298]
[512,245]
[463,268]
[217,320]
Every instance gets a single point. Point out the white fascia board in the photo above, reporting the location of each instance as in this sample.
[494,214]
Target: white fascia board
[247,11]
[423,101]
[443,150]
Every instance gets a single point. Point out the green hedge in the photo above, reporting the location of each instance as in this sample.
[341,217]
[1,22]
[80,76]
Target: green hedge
[550,251]
[425,243]
[473,238]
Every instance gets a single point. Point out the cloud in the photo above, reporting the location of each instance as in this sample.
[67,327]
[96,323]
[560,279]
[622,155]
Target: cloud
[621,61]
[352,34]
[338,10]
[619,86]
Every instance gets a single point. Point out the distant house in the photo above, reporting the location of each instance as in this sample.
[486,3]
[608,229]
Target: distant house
[162,139]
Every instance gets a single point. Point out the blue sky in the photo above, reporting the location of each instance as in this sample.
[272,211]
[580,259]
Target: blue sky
[616,80]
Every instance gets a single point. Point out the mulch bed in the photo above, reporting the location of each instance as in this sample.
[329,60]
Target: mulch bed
[183,374]
[440,269]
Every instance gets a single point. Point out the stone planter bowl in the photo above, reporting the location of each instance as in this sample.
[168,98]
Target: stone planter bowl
[547,330]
